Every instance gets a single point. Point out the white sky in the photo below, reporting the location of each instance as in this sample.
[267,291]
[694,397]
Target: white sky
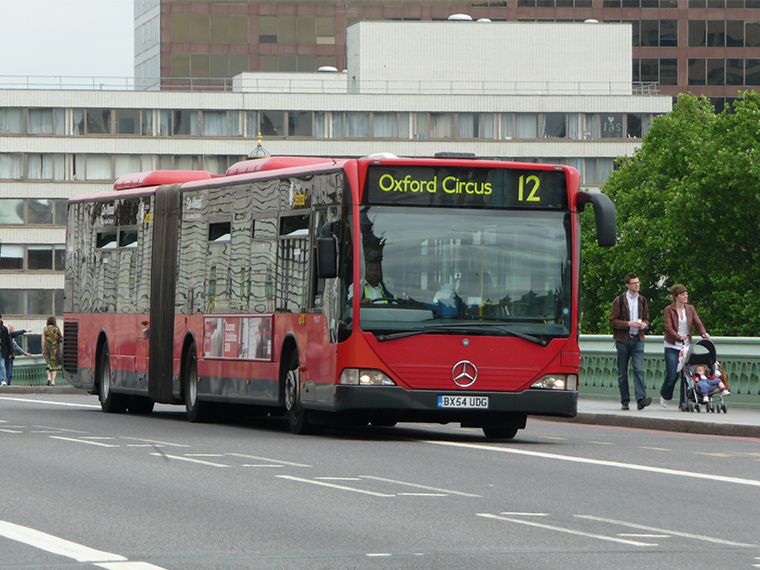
[67,38]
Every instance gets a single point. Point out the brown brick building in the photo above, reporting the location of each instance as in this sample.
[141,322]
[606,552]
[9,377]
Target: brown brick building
[707,47]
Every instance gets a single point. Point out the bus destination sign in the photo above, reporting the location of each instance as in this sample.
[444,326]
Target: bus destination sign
[460,187]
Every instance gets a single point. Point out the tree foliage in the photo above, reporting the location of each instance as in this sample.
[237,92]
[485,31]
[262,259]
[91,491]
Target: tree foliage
[688,211]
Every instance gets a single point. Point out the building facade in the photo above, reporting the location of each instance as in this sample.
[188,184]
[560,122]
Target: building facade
[706,47]
[58,143]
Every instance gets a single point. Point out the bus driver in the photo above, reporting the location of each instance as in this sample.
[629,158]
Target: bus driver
[372,285]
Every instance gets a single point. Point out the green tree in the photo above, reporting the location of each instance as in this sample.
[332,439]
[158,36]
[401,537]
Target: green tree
[688,208]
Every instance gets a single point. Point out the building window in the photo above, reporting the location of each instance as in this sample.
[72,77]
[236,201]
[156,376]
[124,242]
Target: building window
[716,72]
[734,33]
[697,71]
[668,33]
[185,122]
[697,33]
[127,121]
[752,34]
[11,167]
[45,166]
[300,124]
[669,71]
[11,121]
[12,257]
[45,122]
[554,126]
[752,71]
[716,33]
[272,123]
[734,72]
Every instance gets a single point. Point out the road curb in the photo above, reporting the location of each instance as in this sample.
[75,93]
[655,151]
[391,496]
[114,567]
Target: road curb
[41,390]
[660,424]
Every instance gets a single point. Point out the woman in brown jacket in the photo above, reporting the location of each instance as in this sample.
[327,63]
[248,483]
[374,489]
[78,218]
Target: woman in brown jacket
[680,320]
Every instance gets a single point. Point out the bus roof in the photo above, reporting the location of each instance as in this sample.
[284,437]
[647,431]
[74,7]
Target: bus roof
[158,177]
[275,163]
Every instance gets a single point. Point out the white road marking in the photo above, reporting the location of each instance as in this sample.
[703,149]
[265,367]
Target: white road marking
[129,566]
[189,460]
[55,545]
[61,547]
[526,514]
[635,535]
[668,531]
[10,430]
[338,478]
[332,485]
[268,459]
[154,441]
[82,441]
[619,465]
[423,494]
[427,488]
[378,554]
[31,401]
[566,530]
[262,465]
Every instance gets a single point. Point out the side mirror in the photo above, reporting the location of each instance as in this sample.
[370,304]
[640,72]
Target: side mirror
[327,251]
[606,217]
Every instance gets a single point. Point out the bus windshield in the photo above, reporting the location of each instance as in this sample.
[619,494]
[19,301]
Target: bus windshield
[440,270]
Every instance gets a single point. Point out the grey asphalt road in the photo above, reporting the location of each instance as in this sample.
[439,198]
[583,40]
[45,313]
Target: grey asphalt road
[156,492]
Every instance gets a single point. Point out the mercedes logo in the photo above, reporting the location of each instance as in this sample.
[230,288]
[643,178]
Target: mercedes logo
[464,373]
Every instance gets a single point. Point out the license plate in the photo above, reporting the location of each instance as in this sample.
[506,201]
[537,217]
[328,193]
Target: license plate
[462,401]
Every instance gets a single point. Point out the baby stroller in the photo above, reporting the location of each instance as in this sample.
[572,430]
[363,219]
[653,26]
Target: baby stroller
[688,361]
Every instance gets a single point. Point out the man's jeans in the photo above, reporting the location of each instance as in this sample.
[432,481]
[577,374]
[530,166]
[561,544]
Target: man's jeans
[631,351]
[671,375]
[2,370]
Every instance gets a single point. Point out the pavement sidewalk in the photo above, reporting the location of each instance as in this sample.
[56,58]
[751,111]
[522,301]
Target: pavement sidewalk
[739,421]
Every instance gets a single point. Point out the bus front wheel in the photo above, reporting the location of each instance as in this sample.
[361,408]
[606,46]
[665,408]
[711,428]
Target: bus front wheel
[298,417]
[500,432]
[110,402]
[197,410]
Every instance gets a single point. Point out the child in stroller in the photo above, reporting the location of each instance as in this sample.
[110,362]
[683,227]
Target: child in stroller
[705,382]
[702,378]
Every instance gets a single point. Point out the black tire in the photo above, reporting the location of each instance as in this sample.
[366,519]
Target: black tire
[197,410]
[140,405]
[298,417]
[500,432]
[110,402]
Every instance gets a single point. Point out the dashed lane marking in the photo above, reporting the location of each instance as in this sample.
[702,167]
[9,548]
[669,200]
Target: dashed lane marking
[334,486]
[418,486]
[75,440]
[189,460]
[668,531]
[566,530]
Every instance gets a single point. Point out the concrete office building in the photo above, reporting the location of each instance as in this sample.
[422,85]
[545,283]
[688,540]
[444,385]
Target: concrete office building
[707,47]
[413,96]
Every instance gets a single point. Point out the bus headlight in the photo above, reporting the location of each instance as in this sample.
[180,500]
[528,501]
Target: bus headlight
[557,382]
[365,377]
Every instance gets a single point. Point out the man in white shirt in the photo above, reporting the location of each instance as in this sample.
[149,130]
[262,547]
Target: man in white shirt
[629,319]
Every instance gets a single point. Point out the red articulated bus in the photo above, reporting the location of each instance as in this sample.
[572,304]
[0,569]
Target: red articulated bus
[375,290]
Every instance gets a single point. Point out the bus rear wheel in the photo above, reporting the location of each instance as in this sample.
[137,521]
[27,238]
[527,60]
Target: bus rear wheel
[110,402]
[298,417]
[197,410]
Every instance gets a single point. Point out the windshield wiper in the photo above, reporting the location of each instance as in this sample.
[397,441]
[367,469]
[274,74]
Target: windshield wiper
[461,329]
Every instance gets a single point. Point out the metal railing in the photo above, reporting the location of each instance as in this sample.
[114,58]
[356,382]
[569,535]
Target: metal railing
[326,84]
[739,357]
